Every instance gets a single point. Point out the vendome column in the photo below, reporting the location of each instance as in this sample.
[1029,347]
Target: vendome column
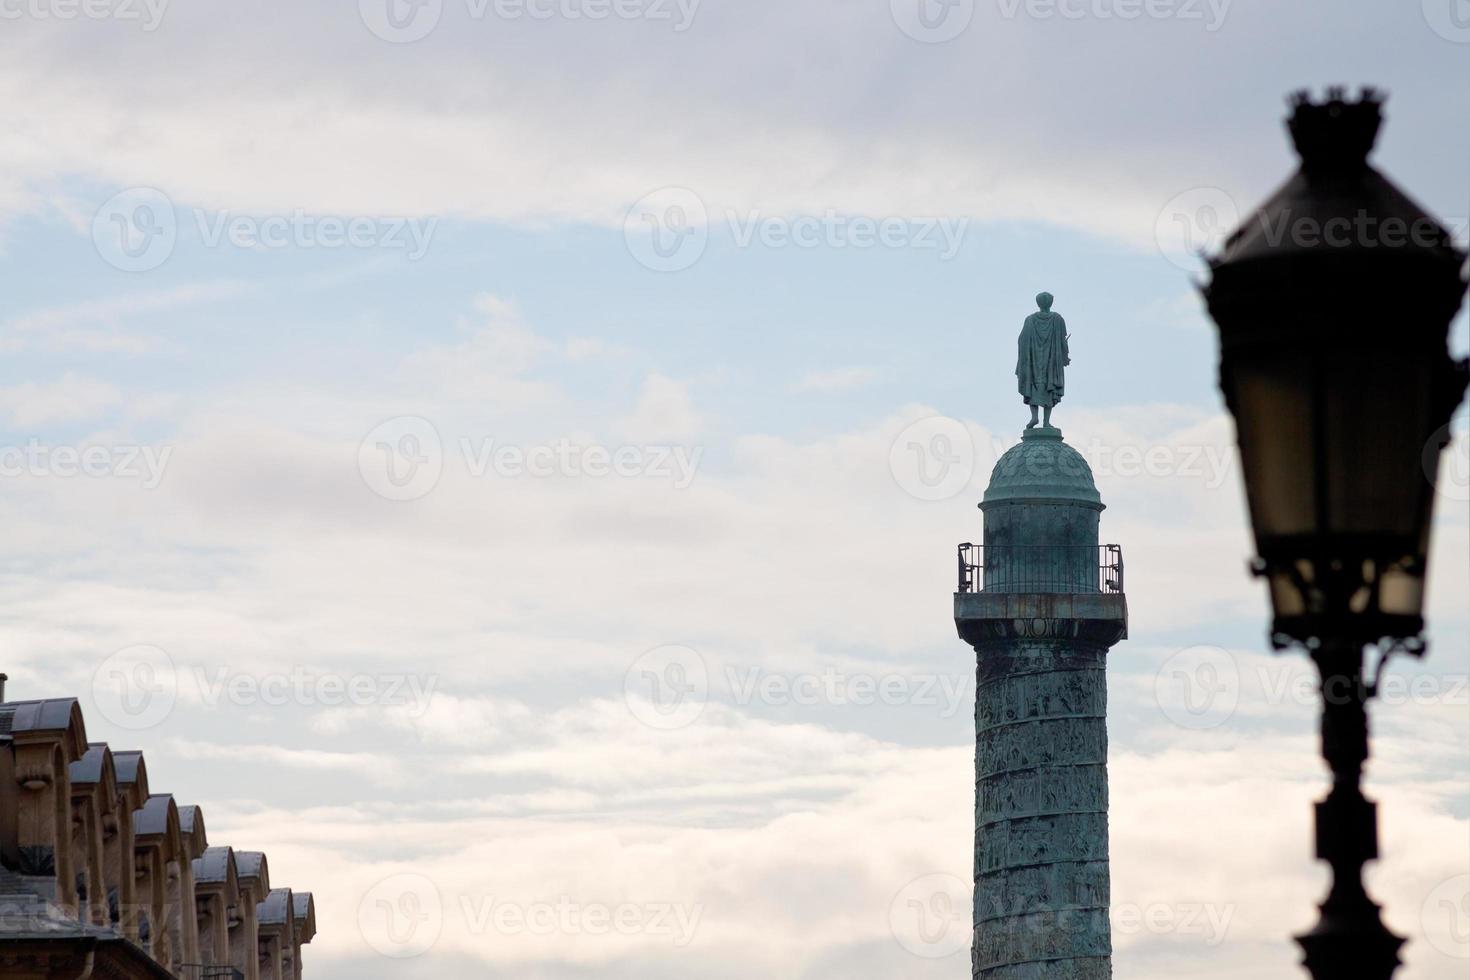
[1041,603]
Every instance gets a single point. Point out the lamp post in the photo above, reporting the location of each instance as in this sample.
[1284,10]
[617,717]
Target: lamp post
[1333,304]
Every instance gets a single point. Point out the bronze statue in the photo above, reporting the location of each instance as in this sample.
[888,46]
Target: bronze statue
[1041,358]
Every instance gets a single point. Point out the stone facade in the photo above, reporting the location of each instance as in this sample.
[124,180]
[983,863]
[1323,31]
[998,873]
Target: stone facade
[1041,608]
[100,877]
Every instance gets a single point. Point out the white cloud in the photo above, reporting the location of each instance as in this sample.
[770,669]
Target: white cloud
[446,720]
[664,413]
[490,365]
[573,144]
[70,398]
[372,767]
[1201,871]
[837,379]
[528,601]
[104,325]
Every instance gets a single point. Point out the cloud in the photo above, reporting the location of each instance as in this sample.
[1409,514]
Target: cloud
[311,760]
[571,146]
[70,398]
[664,413]
[490,365]
[529,779]
[1199,871]
[446,719]
[104,325]
[837,379]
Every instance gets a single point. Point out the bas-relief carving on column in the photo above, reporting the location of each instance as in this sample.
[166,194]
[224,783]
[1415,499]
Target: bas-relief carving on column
[1072,885]
[1041,849]
[1057,693]
[1054,742]
[1042,840]
[1082,789]
[1008,656]
[1051,935]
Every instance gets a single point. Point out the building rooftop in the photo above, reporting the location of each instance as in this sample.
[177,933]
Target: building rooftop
[68,904]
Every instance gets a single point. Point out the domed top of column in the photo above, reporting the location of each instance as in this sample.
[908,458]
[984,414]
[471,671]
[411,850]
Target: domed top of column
[1042,467]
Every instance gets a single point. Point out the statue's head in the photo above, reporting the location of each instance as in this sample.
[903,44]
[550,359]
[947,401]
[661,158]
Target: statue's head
[1043,300]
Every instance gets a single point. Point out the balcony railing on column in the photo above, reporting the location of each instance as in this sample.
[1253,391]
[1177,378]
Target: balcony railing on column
[1040,568]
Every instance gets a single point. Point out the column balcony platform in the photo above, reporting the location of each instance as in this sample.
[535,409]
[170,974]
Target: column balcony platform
[1041,592]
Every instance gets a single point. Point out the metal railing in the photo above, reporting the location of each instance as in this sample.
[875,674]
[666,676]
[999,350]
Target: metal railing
[207,971]
[1041,568]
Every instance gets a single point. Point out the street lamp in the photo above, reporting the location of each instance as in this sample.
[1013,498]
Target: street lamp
[1333,304]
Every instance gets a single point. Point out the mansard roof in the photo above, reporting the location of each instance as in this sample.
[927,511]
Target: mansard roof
[190,817]
[157,817]
[276,909]
[130,767]
[88,769]
[41,910]
[96,767]
[304,908]
[64,715]
[252,865]
[191,826]
[216,866]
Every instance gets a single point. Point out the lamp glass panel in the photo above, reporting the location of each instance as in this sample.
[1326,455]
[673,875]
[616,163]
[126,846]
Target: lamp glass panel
[1401,593]
[1273,418]
[1376,405]
[1286,596]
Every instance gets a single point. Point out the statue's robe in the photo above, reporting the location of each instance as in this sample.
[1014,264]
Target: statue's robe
[1041,358]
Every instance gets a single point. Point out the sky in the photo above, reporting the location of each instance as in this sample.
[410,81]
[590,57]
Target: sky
[504,458]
